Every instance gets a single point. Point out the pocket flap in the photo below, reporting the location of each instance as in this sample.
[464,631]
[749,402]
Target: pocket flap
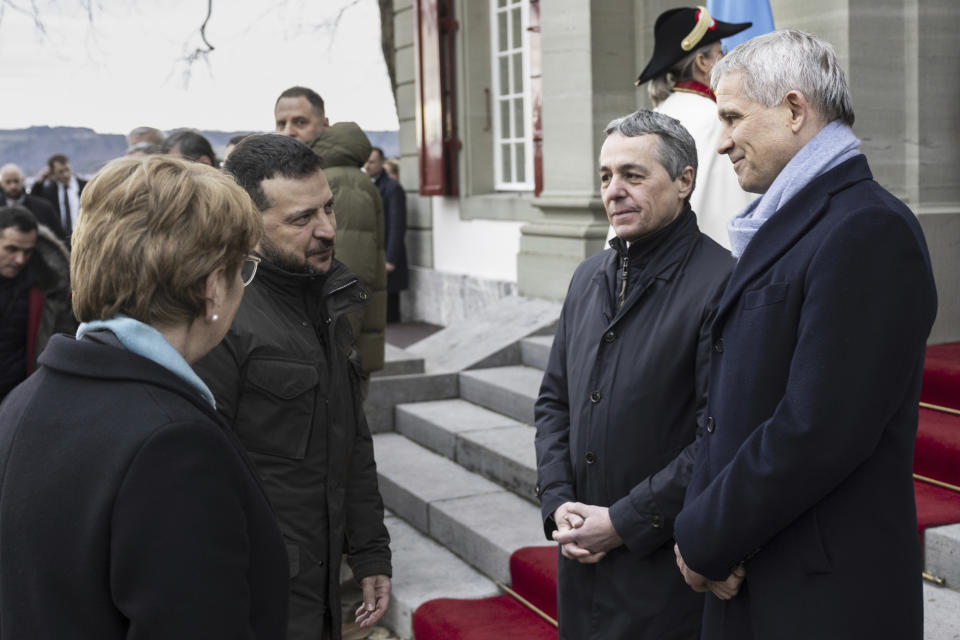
[283,379]
[770,294]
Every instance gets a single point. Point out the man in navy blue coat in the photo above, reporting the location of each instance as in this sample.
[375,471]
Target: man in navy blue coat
[803,476]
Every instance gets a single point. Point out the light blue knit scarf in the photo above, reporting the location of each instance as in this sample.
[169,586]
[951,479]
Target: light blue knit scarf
[144,340]
[834,145]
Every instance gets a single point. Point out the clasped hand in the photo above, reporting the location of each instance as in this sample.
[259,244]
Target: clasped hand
[584,532]
[724,590]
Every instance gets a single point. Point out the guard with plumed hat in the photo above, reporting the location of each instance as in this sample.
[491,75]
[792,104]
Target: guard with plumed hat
[678,32]
[686,46]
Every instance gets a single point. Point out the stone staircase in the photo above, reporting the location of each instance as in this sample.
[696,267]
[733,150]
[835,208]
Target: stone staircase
[457,470]
[457,475]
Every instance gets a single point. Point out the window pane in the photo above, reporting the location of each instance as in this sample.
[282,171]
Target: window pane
[517,72]
[517,26]
[504,75]
[505,119]
[521,164]
[502,43]
[506,173]
[501,3]
[517,117]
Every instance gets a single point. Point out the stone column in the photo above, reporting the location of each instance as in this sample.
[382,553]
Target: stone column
[587,52]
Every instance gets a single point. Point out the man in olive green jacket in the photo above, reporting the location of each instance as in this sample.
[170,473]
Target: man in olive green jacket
[343,148]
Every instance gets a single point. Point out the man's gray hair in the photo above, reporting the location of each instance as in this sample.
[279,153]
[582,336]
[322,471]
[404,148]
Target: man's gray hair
[676,149]
[776,63]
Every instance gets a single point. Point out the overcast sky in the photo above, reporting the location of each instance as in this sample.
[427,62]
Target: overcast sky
[125,68]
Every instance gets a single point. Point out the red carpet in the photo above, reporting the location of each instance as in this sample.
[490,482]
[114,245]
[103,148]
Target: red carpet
[497,618]
[534,574]
[937,449]
[941,375]
[935,506]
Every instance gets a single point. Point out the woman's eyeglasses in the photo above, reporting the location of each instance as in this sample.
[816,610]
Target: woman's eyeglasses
[248,269]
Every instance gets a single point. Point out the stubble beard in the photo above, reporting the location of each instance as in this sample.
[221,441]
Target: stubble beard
[286,260]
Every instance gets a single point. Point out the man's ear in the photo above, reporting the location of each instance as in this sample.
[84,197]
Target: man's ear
[686,182]
[799,108]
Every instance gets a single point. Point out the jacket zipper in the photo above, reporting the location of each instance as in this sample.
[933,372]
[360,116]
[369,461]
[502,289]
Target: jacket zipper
[623,281]
[342,287]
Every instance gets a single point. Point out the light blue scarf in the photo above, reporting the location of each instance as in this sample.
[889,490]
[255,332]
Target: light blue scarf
[146,341]
[834,145]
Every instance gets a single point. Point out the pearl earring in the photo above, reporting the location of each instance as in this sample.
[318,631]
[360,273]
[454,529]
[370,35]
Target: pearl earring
[215,317]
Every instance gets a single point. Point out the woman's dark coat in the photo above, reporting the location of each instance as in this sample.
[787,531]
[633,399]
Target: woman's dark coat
[127,510]
[617,413]
[806,466]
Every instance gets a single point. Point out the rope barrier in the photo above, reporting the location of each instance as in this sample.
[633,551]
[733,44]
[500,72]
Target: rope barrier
[937,407]
[529,605]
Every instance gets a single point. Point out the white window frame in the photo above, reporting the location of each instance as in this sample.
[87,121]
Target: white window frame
[526,140]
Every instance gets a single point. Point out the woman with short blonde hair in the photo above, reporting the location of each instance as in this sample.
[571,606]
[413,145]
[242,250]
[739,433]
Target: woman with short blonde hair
[127,508]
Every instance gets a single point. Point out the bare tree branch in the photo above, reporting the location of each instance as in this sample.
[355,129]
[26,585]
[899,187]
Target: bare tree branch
[199,53]
[33,12]
[343,10]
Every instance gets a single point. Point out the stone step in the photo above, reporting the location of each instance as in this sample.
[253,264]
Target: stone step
[388,391]
[488,336]
[941,553]
[535,351]
[424,570]
[471,516]
[491,444]
[507,390]
[398,362]
[941,613]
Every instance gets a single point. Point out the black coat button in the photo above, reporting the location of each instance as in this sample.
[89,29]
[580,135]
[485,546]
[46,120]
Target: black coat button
[536,490]
[718,345]
[595,397]
[710,424]
[590,457]
[609,337]
[656,521]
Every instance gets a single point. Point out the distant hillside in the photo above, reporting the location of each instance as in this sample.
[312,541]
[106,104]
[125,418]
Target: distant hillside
[89,150]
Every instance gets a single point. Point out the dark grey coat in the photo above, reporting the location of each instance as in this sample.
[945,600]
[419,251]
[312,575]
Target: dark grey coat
[616,418]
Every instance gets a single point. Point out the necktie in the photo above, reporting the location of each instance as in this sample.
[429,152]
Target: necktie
[67,222]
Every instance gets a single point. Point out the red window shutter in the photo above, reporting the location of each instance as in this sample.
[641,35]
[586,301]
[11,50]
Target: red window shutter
[536,95]
[436,127]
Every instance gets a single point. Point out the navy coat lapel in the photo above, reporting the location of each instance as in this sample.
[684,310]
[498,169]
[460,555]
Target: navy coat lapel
[790,223]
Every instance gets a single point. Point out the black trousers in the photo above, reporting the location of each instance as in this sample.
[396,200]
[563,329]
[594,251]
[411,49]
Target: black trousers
[393,307]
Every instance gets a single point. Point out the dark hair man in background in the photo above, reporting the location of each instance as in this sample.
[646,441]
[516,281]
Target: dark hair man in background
[344,148]
[394,228]
[34,298]
[284,382]
[623,394]
[190,145]
[62,189]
